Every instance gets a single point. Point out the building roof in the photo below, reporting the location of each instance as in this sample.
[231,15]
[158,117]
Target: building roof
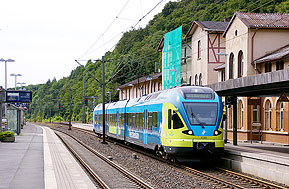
[161,45]
[220,67]
[207,26]
[142,79]
[278,54]
[262,20]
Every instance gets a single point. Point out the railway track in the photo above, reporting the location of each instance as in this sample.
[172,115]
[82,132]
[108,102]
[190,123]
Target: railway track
[218,177]
[123,178]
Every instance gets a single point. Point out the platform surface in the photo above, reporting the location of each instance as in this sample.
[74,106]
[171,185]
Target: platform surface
[38,159]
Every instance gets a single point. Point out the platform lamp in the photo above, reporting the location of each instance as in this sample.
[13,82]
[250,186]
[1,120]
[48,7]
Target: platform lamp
[8,60]
[108,92]
[15,75]
[23,83]
[226,124]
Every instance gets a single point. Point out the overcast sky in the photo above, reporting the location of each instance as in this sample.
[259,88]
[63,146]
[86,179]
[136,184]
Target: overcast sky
[44,37]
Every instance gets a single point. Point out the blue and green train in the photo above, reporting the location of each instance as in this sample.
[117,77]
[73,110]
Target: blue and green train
[179,122]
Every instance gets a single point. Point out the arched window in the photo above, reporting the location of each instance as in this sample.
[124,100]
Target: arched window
[190,81]
[280,116]
[268,115]
[231,64]
[240,64]
[196,79]
[240,124]
[200,79]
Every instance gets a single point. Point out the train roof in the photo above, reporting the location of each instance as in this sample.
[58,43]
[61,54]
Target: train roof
[160,96]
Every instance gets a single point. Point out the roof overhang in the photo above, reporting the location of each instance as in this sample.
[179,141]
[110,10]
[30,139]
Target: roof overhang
[266,84]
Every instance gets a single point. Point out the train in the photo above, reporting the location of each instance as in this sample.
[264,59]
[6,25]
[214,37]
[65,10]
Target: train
[179,123]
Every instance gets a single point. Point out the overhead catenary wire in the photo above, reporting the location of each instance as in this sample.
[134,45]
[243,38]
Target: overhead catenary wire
[105,30]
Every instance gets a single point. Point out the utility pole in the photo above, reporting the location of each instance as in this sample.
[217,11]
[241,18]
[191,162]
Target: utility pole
[69,126]
[103,102]
[84,94]
[40,107]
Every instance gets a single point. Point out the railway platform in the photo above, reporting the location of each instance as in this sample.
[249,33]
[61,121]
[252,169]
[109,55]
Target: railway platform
[266,160]
[38,159]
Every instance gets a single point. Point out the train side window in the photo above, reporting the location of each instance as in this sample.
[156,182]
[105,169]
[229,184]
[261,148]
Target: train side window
[155,119]
[141,121]
[119,119]
[169,119]
[150,121]
[128,115]
[177,122]
[136,120]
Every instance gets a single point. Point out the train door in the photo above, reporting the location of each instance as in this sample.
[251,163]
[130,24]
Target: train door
[145,127]
[117,123]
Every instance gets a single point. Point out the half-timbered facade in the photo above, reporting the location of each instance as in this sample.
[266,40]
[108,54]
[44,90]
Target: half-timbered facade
[206,42]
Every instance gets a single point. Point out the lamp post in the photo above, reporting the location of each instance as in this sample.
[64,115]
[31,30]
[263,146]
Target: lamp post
[8,60]
[15,75]
[108,92]
[226,124]
[20,84]
[120,93]
[174,70]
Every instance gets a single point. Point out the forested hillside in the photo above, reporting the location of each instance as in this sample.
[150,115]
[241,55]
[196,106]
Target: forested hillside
[135,53]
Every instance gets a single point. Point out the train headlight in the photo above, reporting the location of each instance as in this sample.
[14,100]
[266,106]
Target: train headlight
[188,132]
[217,132]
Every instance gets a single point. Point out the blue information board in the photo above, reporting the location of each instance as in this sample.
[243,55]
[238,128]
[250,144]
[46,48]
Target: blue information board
[18,96]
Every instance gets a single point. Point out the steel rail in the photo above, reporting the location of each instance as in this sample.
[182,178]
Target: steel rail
[257,181]
[82,162]
[119,168]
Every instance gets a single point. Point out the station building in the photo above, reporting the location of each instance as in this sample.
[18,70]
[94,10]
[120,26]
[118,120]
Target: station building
[257,43]
[245,45]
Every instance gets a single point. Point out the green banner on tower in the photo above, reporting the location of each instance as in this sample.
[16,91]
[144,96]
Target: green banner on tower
[172,58]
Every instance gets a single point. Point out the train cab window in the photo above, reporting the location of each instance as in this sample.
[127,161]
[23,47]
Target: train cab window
[150,121]
[169,119]
[155,119]
[177,122]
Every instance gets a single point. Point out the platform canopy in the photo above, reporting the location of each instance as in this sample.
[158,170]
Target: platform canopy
[259,85]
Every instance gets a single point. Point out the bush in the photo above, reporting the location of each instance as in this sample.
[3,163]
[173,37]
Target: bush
[5,134]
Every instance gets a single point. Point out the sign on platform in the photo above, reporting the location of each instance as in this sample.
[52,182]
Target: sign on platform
[18,96]
[283,98]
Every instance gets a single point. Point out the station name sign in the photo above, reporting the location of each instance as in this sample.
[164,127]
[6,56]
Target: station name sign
[18,96]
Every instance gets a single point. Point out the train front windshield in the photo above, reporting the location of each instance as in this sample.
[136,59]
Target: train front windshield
[201,113]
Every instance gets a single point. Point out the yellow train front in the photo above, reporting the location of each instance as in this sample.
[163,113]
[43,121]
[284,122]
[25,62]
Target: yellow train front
[192,124]
[181,123]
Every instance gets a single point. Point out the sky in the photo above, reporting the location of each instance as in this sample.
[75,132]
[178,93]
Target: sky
[45,37]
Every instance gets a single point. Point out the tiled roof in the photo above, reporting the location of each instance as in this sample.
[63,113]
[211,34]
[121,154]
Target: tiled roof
[262,20]
[213,26]
[278,54]
[142,79]
[221,67]
[207,26]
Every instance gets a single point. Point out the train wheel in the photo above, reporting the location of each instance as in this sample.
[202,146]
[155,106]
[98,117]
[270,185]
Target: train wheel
[172,159]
